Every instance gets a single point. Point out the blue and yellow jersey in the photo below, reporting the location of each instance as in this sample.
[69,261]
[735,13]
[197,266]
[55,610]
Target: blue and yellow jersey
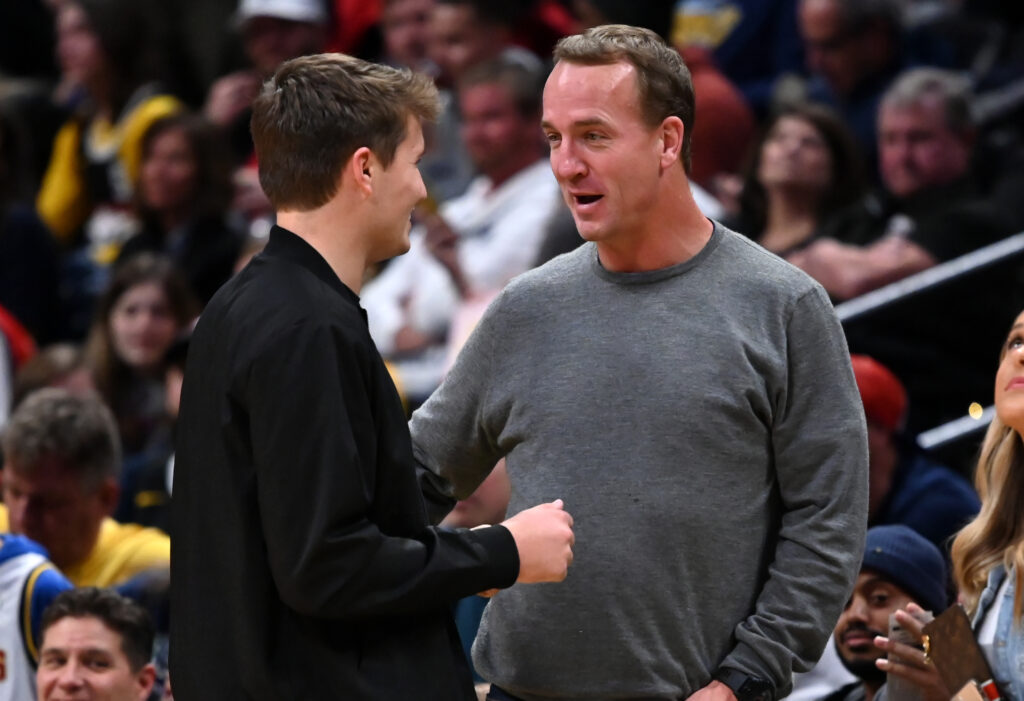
[28,583]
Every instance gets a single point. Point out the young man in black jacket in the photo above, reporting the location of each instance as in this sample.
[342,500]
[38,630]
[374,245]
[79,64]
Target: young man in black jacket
[303,563]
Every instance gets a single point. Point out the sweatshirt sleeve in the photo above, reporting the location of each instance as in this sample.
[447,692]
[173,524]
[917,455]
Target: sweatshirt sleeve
[454,433]
[62,202]
[316,495]
[820,448]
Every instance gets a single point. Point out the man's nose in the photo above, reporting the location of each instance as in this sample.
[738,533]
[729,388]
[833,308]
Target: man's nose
[70,675]
[858,610]
[566,163]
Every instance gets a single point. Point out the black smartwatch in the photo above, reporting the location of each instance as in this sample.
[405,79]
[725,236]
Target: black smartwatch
[745,686]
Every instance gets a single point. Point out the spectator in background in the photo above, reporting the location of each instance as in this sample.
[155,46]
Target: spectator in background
[60,485]
[58,365]
[804,169]
[852,48]
[476,242]
[96,645]
[182,200]
[146,306]
[405,25]
[905,486]
[988,554]
[753,42]
[28,583]
[929,212]
[107,48]
[721,143]
[273,31]
[900,568]
[463,33]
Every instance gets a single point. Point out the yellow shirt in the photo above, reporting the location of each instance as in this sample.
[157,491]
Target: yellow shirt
[62,202]
[122,551]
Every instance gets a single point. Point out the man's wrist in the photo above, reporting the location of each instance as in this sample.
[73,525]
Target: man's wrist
[745,687]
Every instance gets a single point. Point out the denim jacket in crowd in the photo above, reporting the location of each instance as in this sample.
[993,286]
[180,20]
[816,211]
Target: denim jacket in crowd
[1008,652]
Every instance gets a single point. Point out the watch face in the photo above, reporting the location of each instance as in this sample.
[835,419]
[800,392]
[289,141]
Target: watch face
[746,687]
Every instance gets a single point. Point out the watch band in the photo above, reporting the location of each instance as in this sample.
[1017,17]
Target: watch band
[744,686]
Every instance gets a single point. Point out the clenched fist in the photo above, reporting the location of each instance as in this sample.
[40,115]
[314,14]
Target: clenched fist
[544,538]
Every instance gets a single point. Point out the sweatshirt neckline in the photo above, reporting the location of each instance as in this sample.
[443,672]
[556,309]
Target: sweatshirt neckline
[646,277]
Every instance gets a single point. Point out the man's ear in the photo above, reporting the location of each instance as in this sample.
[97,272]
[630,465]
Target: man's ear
[362,167]
[672,133]
[145,679]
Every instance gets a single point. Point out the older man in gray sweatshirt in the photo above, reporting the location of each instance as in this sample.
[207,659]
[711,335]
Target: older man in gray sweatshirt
[688,395]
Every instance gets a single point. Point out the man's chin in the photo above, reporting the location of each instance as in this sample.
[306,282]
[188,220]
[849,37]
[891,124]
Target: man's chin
[401,246]
[589,231]
[862,666]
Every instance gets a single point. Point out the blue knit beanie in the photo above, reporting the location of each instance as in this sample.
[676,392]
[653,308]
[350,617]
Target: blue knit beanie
[909,561]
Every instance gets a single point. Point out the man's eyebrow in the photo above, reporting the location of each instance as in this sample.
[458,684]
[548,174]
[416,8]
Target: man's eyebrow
[588,122]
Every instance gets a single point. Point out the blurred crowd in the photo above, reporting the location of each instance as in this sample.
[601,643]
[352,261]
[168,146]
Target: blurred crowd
[864,141]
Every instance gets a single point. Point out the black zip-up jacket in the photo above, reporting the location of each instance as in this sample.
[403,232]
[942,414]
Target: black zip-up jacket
[303,566]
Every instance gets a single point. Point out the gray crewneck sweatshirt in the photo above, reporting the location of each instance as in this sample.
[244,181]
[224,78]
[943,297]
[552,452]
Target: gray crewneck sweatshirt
[703,426]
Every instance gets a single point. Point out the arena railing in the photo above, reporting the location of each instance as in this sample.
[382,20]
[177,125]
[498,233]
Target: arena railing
[933,277]
[1004,251]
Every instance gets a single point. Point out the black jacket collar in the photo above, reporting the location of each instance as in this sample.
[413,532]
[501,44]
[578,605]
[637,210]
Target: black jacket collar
[291,247]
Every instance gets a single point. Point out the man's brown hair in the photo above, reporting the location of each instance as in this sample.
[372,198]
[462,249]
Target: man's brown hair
[663,80]
[77,430]
[316,111]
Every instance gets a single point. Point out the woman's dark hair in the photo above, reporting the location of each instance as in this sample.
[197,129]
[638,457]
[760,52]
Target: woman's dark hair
[213,187]
[847,169]
[129,33]
[108,370]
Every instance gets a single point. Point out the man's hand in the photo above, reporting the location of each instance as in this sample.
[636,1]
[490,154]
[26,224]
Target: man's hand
[230,96]
[544,538]
[715,691]
[443,244]
[912,665]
